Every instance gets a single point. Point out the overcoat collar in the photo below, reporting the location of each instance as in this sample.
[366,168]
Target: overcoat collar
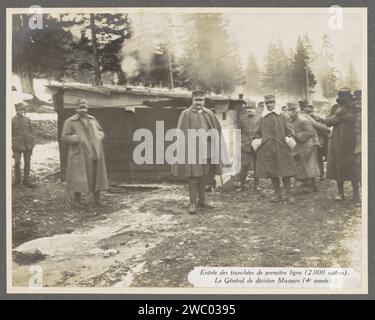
[204,109]
[76,117]
[266,112]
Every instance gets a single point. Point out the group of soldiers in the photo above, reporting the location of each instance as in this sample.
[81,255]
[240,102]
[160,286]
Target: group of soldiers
[293,142]
[277,143]
[283,142]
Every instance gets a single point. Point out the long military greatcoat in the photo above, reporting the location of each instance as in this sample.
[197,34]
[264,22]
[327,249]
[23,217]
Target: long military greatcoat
[85,146]
[274,157]
[322,130]
[192,118]
[341,160]
[306,149]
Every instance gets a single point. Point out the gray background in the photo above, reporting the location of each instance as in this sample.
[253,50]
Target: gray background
[175,3]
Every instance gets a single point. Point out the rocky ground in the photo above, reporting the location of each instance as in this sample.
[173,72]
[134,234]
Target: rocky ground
[147,239]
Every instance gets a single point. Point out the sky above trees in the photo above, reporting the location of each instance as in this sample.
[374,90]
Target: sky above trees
[255,31]
[221,52]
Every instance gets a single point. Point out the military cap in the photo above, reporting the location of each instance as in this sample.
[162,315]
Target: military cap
[303,103]
[20,106]
[269,98]
[344,94]
[357,95]
[82,103]
[198,94]
[292,105]
[250,104]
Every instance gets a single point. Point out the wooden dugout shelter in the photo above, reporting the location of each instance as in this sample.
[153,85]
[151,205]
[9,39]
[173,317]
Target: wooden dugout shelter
[121,111]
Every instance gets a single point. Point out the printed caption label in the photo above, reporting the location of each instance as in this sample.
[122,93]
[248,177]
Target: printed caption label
[330,278]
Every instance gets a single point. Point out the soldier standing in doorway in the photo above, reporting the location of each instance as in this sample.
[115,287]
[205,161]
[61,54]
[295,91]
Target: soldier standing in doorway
[86,168]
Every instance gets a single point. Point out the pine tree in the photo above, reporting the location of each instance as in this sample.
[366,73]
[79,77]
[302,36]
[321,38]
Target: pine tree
[328,78]
[211,59]
[328,83]
[351,79]
[275,75]
[253,76]
[102,37]
[302,77]
[40,52]
[151,50]
[94,45]
[113,30]
[161,66]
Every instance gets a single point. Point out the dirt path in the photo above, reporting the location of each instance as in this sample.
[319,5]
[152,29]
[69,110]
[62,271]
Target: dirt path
[147,239]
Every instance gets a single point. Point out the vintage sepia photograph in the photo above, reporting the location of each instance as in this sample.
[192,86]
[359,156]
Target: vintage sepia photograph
[187,150]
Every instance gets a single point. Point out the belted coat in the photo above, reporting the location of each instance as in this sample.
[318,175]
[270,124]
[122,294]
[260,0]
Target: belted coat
[274,157]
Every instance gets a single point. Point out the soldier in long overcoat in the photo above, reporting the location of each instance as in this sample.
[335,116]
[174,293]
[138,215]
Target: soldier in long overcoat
[204,158]
[306,150]
[273,143]
[323,133]
[341,145]
[86,168]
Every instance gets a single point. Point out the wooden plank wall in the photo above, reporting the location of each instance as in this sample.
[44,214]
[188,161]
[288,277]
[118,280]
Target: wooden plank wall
[119,126]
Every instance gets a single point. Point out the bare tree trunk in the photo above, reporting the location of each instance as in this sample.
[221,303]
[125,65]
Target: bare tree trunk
[98,78]
[166,26]
[23,68]
[307,96]
[26,77]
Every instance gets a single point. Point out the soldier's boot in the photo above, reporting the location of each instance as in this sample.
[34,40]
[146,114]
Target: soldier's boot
[340,189]
[77,201]
[202,203]
[242,179]
[277,192]
[288,188]
[314,187]
[210,184]
[17,174]
[304,188]
[355,186]
[97,200]
[321,168]
[193,208]
[26,176]
[193,191]
[256,185]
